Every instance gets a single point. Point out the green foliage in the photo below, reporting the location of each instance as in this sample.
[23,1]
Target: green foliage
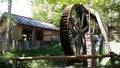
[99,6]
[4,63]
[114,9]
[8,55]
[66,2]
[108,9]
[1,1]
[50,11]
[5,17]
[117,62]
[41,64]
[43,11]
[42,51]
[51,50]
[38,10]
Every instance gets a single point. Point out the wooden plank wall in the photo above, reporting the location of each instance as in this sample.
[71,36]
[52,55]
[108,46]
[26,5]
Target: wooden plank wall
[16,33]
[50,35]
[47,35]
[55,36]
[27,45]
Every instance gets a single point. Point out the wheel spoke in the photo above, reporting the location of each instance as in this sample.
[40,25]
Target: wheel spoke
[79,45]
[93,29]
[84,29]
[75,38]
[76,20]
[76,30]
[75,26]
[71,28]
[82,20]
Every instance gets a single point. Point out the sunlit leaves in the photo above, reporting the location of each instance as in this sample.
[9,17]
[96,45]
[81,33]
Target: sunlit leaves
[41,9]
[55,18]
[114,11]
[3,1]
[66,2]
[108,9]
[52,1]
[50,10]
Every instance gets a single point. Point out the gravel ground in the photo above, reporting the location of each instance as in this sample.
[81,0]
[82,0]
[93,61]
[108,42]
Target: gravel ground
[115,46]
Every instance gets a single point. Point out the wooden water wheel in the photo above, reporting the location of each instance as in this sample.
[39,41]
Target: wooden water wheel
[74,27]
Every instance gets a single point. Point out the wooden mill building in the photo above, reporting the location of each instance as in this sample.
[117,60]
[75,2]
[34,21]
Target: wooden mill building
[28,33]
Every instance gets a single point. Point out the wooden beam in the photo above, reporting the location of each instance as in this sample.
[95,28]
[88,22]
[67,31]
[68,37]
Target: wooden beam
[102,29]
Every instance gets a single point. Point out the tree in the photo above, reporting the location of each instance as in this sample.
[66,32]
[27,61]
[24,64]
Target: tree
[43,11]
[114,11]
[108,9]
[50,11]
[1,1]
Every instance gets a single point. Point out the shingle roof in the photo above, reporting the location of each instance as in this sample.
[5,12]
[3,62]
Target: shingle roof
[31,22]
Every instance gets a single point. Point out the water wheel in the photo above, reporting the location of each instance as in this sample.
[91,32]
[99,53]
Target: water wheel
[73,28]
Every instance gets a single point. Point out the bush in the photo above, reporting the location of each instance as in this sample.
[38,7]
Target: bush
[51,50]
[4,63]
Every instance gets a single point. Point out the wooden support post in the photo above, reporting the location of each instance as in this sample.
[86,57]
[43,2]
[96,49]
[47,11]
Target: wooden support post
[112,58]
[88,48]
[14,63]
[33,34]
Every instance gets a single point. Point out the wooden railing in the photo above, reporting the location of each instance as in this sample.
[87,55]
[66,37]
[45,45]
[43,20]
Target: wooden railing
[111,55]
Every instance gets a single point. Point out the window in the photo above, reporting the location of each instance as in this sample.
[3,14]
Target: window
[39,35]
[27,34]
